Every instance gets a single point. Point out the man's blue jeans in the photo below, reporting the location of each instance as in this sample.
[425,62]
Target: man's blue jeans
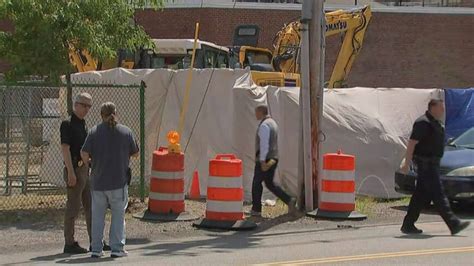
[117,200]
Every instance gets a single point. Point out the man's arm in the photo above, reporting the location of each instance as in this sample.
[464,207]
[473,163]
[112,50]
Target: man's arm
[134,149]
[264,135]
[71,176]
[419,131]
[66,140]
[409,155]
[85,156]
[87,149]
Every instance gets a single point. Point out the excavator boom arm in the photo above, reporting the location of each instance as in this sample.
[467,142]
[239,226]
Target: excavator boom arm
[351,45]
[352,23]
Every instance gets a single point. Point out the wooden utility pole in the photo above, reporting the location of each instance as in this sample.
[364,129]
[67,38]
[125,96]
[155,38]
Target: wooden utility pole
[311,96]
[304,160]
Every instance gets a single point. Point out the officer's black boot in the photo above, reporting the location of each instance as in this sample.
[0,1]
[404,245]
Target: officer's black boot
[463,225]
[410,230]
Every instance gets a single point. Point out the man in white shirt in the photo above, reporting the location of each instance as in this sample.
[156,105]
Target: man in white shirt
[266,146]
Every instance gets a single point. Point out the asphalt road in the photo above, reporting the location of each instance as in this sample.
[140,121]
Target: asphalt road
[371,245]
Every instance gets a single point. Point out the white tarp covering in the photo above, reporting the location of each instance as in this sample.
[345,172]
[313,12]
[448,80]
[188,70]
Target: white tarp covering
[372,124]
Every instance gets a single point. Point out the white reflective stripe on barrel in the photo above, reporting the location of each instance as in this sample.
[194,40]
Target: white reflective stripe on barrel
[167,175]
[224,206]
[166,196]
[224,182]
[337,197]
[338,175]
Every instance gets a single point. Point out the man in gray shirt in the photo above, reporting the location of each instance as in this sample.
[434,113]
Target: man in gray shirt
[109,145]
[266,161]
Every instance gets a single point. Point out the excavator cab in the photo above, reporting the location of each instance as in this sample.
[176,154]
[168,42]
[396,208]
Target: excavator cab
[247,53]
[246,35]
[258,60]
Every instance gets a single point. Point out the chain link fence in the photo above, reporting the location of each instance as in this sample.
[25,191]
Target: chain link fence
[31,165]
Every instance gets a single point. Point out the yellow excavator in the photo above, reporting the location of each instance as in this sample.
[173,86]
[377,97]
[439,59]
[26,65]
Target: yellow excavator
[283,68]
[82,60]
[278,68]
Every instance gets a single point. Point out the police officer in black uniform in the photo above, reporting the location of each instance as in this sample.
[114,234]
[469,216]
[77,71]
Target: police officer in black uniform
[76,172]
[426,147]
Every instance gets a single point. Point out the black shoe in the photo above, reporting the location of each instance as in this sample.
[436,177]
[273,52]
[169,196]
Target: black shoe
[459,228]
[411,230]
[74,249]
[104,248]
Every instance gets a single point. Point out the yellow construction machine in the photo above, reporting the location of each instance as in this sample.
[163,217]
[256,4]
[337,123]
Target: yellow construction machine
[279,67]
[283,69]
[167,53]
[82,60]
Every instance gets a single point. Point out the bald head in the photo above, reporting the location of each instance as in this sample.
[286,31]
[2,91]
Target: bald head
[83,98]
[436,108]
[261,112]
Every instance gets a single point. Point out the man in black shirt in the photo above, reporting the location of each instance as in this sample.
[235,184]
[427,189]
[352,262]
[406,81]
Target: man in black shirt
[76,173]
[426,147]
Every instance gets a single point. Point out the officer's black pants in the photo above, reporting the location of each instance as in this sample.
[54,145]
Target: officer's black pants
[257,188]
[429,188]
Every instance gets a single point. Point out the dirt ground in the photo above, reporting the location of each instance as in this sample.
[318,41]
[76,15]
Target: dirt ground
[36,228]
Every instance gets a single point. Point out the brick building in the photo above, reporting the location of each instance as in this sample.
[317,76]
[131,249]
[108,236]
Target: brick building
[400,49]
[420,49]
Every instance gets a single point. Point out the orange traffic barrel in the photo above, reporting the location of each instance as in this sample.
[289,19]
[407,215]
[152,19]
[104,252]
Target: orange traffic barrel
[166,196]
[337,187]
[225,195]
[167,182]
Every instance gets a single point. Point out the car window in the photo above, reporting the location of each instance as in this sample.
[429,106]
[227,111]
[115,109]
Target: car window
[466,140]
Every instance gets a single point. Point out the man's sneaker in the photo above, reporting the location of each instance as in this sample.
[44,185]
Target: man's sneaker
[459,228]
[74,249]
[97,255]
[119,254]
[105,247]
[411,230]
[292,206]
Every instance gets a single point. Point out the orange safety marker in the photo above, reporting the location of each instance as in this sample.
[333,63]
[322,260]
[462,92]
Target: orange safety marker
[225,195]
[195,191]
[167,182]
[166,197]
[337,190]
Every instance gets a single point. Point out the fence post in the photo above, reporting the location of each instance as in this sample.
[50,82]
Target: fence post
[142,141]
[69,94]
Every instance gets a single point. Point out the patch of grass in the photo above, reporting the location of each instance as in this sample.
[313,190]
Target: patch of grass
[366,205]
[404,201]
[280,208]
[32,219]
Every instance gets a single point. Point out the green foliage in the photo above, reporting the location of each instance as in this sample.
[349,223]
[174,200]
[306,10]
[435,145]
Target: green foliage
[43,30]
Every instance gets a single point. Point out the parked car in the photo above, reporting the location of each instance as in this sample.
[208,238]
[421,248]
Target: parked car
[457,170]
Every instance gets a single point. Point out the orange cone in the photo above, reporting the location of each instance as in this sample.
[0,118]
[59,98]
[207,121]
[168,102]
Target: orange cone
[194,192]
